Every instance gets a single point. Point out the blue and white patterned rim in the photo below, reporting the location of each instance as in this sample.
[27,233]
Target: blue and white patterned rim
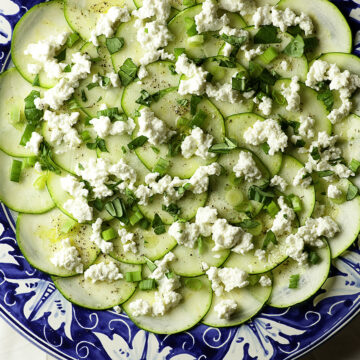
[30,303]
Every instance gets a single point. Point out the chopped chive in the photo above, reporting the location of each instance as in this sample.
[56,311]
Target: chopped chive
[272,209]
[161,166]
[36,81]
[183,102]
[268,56]
[138,142]
[150,264]
[68,226]
[133,276]
[109,234]
[325,173]
[148,284]
[40,182]
[352,192]
[295,202]
[294,281]
[15,170]
[269,238]
[136,217]
[354,166]
[190,26]
[29,129]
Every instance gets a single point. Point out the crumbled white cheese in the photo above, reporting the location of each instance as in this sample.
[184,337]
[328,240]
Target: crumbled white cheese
[282,19]
[162,266]
[103,271]
[196,76]
[282,223]
[34,143]
[200,180]
[106,23]
[279,181]
[128,241]
[252,52]
[159,9]
[226,236]
[226,279]
[226,308]
[185,234]
[74,187]
[153,128]
[265,281]
[267,131]
[306,128]
[310,234]
[284,65]
[79,209]
[197,143]
[334,192]
[61,130]
[246,167]
[125,173]
[104,246]
[292,94]
[104,127]
[205,219]
[208,20]
[265,105]
[345,82]
[140,307]
[117,309]
[243,7]
[44,52]
[67,257]
[227,49]
[112,76]
[223,93]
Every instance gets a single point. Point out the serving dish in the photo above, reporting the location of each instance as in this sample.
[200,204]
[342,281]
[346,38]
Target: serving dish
[32,305]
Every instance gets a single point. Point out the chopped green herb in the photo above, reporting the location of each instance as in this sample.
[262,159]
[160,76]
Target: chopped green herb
[45,158]
[352,192]
[198,119]
[146,99]
[83,96]
[268,56]
[158,225]
[161,166]
[249,224]
[172,69]
[190,26]
[296,47]
[36,81]
[32,114]
[72,40]
[267,35]
[148,284]
[61,56]
[15,172]
[92,86]
[325,173]
[136,217]
[110,112]
[172,209]
[354,165]
[178,52]
[194,102]
[128,72]
[259,195]
[294,281]
[265,148]
[109,234]
[133,276]
[114,44]
[155,149]
[183,102]
[137,142]
[326,96]
[150,264]
[98,144]
[314,258]
[295,202]
[29,129]
[269,238]
[272,209]
[234,40]
[315,153]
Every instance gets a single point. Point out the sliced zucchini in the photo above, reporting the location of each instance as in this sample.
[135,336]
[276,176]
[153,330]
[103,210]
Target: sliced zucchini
[189,261]
[229,195]
[250,300]
[235,128]
[223,75]
[39,237]
[275,254]
[150,246]
[13,90]
[211,45]
[100,295]
[82,15]
[43,20]
[22,196]
[195,304]
[288,171]
[159,78]
[311,278]
[332,29]
[168,110]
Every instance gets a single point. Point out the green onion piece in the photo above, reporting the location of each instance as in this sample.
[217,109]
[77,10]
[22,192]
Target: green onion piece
[295,202]
[201,246]
[128,72]
[354,166]
[114,44]
[40,182]
[148,284]
[133,276]
[296,47]
[170,275]
[183,122]
[68,226]
[195,41]
[136,217]
[255,70]
[183,102]
[150,264]
[190,26]
[272,209]
[267,35]
[36,81]
[138,142]
[109,234]
[72,39]
[155,149]
[15,171]
[294,281]
[92,85]
[352,192]
[325,173]
[314,258]
[119,207]
[198,119]
[194,284]
[85,136]
[161,166]
[268,56]
[269,238]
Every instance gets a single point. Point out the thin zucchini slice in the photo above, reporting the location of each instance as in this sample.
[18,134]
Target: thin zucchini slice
[22,196]
[101,295]
[311,278]
[42,21]
[236,126]
[13,90]
[168,110]
[331,27]
[82,15]
[194,305]
[230,195]
[250,301]
[39,237]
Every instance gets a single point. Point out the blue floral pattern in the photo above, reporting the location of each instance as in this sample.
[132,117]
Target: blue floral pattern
[31,304]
